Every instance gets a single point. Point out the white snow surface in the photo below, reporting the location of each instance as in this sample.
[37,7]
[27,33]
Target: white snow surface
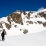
[34,39]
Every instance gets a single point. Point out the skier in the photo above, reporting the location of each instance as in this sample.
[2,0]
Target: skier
[3,34]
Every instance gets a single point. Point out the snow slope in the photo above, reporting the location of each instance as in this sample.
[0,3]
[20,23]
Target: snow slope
[34,39]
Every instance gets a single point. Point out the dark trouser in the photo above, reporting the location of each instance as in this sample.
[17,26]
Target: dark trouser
[3,38]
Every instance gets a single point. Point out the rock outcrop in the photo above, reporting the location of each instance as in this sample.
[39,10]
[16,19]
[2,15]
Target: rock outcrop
[8,26]
[1,26]
[44,24]
[25,31]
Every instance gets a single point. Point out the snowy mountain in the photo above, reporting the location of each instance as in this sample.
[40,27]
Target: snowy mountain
[24,22]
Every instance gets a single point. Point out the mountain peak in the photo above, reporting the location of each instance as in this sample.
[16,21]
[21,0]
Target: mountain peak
[24,22]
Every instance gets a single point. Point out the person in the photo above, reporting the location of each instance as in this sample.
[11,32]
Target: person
[3,34]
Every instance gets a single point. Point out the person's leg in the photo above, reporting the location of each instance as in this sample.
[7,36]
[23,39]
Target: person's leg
[2,38]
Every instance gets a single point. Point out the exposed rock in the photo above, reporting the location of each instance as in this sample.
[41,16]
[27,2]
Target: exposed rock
[25,31]
[17,18]
[40,22]
[1,26]
[42,14]
[24,13]
[0,31]
[36,16]
[15,26]
[12,16]
[28,17]
[20,29]
[0,23]
[21,23]
[29,14]
[30,22]
[35,22]
[8,26]
[9,19]
[44,24]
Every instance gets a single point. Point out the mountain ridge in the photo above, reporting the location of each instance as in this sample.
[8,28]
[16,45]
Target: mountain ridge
[23,21]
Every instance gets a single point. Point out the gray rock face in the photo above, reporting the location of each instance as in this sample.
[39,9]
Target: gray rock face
[8,26]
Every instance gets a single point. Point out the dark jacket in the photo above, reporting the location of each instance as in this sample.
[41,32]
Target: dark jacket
[3,33]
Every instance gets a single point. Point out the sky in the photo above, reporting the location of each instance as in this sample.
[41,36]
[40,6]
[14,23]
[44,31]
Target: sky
[9,6]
